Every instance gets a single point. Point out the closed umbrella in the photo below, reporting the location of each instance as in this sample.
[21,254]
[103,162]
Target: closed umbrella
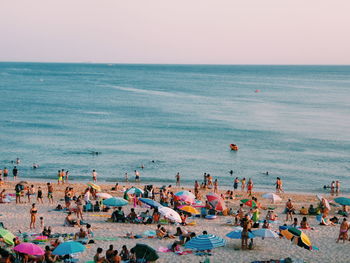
[29,249]
[205,242]
[67,248]
[115,201]
[265,233]
[273,197]
[7,236]
[150,202]
[237,234]
[143,251]
[170,214]
[104,195]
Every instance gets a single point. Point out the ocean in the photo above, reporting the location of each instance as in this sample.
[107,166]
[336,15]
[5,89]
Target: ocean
[292,121]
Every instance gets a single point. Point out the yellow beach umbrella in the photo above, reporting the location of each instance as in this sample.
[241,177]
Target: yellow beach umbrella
[7,236]
[94,186]
[189,209]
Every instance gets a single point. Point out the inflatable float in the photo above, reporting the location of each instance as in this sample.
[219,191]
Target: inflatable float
[233,147]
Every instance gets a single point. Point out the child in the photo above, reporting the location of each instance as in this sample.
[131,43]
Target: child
[41,222]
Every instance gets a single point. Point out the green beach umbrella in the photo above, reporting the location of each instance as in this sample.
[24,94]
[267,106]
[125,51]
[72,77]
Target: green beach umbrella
[145,252]
[249,202]
[7,236]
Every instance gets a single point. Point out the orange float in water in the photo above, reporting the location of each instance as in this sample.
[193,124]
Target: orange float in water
[233,147]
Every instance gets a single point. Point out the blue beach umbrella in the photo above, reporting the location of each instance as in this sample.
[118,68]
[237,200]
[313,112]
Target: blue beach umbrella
[67,248]
[115,201]
[265,233]
[205,242]
[150,202]
[237,234]
[342,200]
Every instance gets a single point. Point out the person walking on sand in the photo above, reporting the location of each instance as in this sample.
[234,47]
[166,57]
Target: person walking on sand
[177,176]
[6,174]
[243,184]
[33,213]
[59,178]
[343,231]
[337,187]
[94,176]
[216,184]
[250,187]
[15,173]
[50,193]
[289,210]
[39,196]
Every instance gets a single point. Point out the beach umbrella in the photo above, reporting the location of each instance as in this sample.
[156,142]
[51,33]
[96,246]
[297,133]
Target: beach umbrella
[134,190]
[320,197]
[115,201]
[7,236]
[104,195]
[216,201]
[342,200]
[94,186]
[205,242]
[273,197]
[143,251]
[67,248]
[150,202]
[249,202]
[184,196]
[23,182]
[237,234]
[189,209]
[29,249]
[170,214]
[265,233]
[297,236]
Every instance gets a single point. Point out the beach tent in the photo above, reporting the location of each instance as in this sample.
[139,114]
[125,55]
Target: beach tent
[29,249]
[205,242]
[273,197]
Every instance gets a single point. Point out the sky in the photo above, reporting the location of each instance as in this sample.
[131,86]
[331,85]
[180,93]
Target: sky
[176,32]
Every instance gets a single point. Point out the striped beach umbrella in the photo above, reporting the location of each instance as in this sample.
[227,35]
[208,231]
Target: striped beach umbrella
[94,186]
[216,201]
[297,236]
[115,201]
[184,196]
[205,242]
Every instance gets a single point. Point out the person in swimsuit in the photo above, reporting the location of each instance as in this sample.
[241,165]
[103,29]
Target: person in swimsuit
[243,184]
[6,173]
[94,176]
[216,184]
[235,184]
[289,209]
[49,192]
[33,213]
[137,176]
[177,176]
[15,173]
[250,187]
[343,231]
[39,197]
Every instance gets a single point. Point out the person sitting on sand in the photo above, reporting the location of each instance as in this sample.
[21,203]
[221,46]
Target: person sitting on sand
[124,254]
[132,216]
[266,224]
[49,258]
[295,222]
[69,221]
[303,211]
[81,234]
[118,215]
[109,253]
[271,216]
[343,231]
[325,222]
[304,224]
[98,258]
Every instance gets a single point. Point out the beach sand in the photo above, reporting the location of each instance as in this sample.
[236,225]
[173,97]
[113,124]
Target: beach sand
[16,218]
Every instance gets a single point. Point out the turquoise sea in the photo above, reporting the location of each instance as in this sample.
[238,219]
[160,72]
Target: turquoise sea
[293,121]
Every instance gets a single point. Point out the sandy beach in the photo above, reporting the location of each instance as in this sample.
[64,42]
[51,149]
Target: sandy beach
[16,218]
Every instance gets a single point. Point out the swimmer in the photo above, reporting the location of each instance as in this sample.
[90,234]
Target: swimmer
[35,165]
[231,172]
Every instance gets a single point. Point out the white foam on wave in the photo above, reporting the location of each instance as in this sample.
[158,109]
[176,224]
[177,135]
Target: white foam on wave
[96,112]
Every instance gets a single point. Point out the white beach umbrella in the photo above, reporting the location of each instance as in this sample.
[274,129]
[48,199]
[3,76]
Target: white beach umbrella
[265,233]
[320,197]
[170,214]
[104,195]
[273,197]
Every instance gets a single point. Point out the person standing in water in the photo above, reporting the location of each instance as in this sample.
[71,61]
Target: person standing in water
[243,184]
[15,173]
[33,213]
[250,187]
[94,176]
[216,184]
[126,177]
[137,176]
[177,176]
[235,184]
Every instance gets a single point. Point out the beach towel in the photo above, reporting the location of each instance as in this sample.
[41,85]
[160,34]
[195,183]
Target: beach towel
[106,238]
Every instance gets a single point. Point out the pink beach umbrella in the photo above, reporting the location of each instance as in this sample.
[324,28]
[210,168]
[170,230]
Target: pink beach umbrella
[216,201]
[29,249]
[184,196]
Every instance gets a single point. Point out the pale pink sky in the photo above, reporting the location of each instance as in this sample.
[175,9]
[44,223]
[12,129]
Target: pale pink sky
[176,31]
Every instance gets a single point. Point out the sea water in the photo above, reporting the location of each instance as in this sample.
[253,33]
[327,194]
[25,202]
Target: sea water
[292,121]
